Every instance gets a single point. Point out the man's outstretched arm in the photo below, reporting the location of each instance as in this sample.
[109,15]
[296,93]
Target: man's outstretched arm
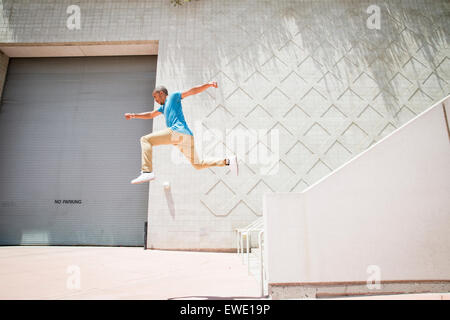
[144,115]
[198,89]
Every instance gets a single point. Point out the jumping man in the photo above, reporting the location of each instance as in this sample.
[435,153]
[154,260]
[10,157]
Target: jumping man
[177,133]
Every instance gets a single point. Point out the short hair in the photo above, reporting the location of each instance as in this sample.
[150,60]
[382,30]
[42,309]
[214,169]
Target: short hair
[161,88]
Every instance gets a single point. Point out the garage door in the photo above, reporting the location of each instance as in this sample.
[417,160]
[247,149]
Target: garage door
[67,154]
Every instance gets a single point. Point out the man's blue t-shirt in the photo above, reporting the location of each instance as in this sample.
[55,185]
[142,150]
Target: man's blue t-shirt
[173,113]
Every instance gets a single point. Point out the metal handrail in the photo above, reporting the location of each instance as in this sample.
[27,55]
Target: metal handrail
[256,228]
[240,232]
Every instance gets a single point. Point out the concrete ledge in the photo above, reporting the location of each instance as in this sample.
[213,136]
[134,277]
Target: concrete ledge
[356,288]
[80,49]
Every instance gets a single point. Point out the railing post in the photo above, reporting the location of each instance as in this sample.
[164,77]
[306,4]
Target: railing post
[145,235]
[261,260]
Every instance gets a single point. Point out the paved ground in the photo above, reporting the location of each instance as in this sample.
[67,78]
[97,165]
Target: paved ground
[132,273]
[121,273]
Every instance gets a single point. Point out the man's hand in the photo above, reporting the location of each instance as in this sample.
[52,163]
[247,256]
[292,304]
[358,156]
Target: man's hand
[129,116]
[213,84]
[199,89]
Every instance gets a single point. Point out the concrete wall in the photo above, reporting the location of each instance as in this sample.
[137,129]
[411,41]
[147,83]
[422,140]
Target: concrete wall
[311,71]
[385,214]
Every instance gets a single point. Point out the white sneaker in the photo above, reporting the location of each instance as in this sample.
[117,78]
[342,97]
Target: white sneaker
[144,177]
[234,167]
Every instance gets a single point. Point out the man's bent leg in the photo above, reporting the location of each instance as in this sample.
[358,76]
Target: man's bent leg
[187,147]
[161,137]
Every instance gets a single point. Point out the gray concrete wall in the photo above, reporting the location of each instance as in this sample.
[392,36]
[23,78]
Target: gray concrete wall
[312,71]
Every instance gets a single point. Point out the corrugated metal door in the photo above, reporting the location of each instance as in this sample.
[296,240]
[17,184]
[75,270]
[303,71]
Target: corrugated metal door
[67,154]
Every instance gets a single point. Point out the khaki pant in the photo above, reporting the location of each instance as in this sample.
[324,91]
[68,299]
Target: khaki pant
[184,142]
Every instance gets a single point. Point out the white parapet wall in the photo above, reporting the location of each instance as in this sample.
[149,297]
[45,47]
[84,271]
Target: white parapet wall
[378,224]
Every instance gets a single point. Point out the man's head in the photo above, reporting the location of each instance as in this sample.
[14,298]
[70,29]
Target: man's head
[159,94]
